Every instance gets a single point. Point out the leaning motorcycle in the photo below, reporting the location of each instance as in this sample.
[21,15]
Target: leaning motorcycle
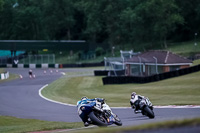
[100,115]
[146,108]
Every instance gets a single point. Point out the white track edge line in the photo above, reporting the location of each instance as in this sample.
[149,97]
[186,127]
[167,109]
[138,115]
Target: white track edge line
[40,94]
[169,106]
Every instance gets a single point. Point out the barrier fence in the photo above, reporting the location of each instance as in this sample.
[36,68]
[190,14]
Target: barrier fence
[46,65]
[148,79]
[28,59]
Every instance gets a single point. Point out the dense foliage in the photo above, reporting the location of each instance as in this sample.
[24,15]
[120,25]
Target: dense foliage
[100,21]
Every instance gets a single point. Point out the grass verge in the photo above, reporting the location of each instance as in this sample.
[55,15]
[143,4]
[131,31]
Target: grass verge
[158,125]
[16,125]
[183,90]
[196,62]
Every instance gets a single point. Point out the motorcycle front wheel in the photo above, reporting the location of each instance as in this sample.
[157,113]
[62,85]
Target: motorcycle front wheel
[98,119]
[149,112]
[118,122]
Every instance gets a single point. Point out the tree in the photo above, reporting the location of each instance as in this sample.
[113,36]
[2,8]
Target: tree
[59,18]
[167,17]
[21,20]
[27,22]
[115,22]
[6,19]
[1,4]
[111,13]
[190,11]
[93,19]
[154,19]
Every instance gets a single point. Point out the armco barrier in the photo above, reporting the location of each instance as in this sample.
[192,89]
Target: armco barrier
[147,79]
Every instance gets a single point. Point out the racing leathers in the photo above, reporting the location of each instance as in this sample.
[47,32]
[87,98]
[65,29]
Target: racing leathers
[135,102]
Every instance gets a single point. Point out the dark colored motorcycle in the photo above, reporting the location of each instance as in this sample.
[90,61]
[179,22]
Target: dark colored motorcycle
[146,108]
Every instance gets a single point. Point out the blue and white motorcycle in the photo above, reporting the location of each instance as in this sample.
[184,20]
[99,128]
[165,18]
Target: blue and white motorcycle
[97,113]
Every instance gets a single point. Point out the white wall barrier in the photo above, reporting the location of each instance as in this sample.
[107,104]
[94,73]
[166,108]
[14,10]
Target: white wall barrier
[20,65]
[4,75]
[32,65]
[45,65]
[9,65]
[56,65]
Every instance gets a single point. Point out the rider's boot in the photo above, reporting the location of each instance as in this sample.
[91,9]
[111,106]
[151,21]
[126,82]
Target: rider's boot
[137,111]
[86,124]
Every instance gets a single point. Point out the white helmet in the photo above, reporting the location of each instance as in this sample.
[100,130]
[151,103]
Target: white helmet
[133,95]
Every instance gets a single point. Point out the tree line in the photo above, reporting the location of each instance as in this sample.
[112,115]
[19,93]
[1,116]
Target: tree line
[115,22]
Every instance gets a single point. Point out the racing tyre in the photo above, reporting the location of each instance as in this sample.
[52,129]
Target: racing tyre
[98,119]
[149,112]
[118,122]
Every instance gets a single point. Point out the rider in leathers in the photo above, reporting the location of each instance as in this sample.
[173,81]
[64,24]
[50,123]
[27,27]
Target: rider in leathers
[85,118]
[135,100]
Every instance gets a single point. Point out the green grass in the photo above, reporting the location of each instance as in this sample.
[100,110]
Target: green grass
[17,125]
[196,62]
[183,90]
[184,48]
[176,91]
[2,70]
[159,126]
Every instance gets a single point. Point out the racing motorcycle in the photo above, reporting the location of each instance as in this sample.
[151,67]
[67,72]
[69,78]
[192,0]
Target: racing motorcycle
[146,108]
[97,113]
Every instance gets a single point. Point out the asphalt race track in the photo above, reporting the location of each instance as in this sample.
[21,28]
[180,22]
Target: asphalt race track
[20,98]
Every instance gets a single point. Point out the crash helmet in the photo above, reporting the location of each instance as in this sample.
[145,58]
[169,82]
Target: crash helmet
[84,98]
[101,100]
[133,95]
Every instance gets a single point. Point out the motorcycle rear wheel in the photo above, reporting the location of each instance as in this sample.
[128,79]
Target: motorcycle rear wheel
[98,119]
